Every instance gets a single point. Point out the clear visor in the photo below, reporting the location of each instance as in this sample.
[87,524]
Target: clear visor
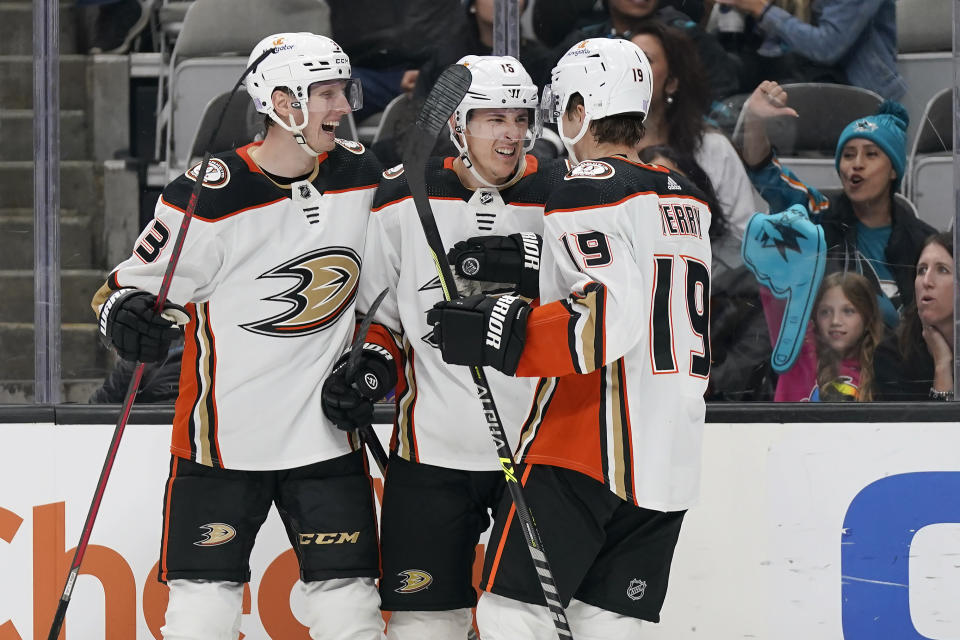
[521,125]
[332,94]
[549,105]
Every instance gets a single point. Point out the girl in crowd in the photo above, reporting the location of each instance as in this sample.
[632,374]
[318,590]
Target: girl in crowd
[918,363]
[836,361]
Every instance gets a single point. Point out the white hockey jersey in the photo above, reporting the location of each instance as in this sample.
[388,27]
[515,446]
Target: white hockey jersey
[624,324]
[440,420]
[269,275]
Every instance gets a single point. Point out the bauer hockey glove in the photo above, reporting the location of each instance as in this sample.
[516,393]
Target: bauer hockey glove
[481,330]
[514,259]
[137,332]
[349,403]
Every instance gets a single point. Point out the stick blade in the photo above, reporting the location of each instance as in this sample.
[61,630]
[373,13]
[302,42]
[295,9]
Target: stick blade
[449,90]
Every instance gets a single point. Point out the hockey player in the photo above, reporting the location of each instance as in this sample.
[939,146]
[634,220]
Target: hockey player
[267,281]
[444,474]
[611,449]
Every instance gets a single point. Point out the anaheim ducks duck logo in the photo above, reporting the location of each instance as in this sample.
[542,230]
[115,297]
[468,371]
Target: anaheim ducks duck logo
[216,533]
[327,285]
[414,580]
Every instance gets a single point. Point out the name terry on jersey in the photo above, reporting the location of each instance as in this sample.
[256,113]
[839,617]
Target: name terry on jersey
[680,219]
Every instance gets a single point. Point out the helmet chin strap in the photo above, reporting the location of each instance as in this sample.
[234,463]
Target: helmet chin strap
[296,130]
[569,142]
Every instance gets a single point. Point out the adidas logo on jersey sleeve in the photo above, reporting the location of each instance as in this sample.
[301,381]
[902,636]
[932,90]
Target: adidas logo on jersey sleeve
[672,184]
[594,169]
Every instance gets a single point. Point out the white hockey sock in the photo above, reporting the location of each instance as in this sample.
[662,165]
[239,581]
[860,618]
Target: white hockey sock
[500,618]
[343,609]
[588,622]
[203,610]
[417,625]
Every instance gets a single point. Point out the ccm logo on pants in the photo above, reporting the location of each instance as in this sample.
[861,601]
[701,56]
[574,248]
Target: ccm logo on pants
[329,538]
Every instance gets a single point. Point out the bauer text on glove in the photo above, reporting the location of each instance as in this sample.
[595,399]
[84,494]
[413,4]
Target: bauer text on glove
[349,403]
[481,330]
[514,259]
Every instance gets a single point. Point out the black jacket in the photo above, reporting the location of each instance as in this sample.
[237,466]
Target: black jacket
[900,379]
[903,249]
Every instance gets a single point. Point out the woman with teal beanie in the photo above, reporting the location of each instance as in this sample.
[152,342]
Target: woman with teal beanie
[866,229]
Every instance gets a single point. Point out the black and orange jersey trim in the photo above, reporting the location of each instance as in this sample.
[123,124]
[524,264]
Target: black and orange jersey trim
[195,413]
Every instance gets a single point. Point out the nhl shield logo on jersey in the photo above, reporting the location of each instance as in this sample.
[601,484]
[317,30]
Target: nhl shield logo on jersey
[327,285]
[636,589]
[595,169]
[393,172]
[414,580]
[215,534]
[216,176]
[350,145]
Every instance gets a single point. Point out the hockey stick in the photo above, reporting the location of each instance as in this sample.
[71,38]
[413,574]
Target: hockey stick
[366,432]
[137,376]
[446,94]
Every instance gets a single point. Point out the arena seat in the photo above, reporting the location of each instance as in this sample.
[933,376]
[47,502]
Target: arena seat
[807,144]
[211,52]
[930,162]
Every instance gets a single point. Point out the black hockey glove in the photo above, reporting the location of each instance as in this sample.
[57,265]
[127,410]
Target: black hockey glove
[481,330]
[349,403]
[129,323]
[514,258]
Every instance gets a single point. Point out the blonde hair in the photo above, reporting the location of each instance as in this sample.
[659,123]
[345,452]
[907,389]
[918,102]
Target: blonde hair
[861,295]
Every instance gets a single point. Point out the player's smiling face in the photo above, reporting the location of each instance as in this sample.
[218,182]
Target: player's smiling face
[327,104]
[495,139]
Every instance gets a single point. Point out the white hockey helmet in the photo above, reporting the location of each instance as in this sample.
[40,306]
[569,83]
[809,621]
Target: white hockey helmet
[298,61]
[612,75]
[498,82]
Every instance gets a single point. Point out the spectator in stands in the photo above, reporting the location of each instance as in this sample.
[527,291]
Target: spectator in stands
[622,20]
[867,230]
[553,20]
[836,361]
[739,342]
[116,24]
[535,58]
[478,40]
[387,41]
[858,37]
[676,118]
[918,363]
